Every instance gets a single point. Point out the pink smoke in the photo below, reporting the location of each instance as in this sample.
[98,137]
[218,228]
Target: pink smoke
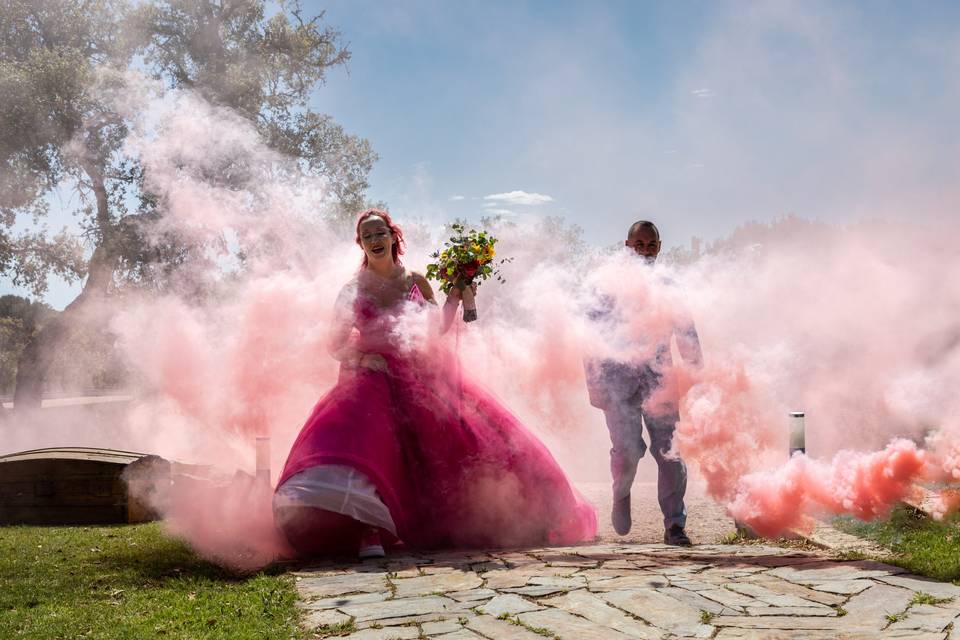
[794,315]
[864,485]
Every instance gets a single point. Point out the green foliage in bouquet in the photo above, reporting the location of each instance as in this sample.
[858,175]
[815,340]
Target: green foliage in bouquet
[467,257]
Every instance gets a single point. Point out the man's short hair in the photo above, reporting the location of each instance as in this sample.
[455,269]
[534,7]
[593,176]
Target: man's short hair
[643,224]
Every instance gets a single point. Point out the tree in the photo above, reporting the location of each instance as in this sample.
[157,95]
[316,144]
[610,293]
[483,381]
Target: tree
[20,319]
[60,57]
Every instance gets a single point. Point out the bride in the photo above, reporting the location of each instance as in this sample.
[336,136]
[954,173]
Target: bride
[403,448]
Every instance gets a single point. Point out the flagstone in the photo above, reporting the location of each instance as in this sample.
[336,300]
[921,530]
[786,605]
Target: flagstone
[869,609]
[436,583]
[440,626]
[832,570]
[490,627]
[633,581]
[502,578]
[393,633]
[628,565]
[660,610]
[462,634]
[401,607]
[334,585]
[925,617]
[508,604]
[685,568]
[771,597]
[842,587]
[735,633]
[487,565]
[536,590]
[777,622]
[340,601]
[642,592]
[567,626]
[596,610]
[791,611]
[732,599]
[436,570]
[791,589]
[924,585]
[324,618]
[696,601]
[406,621]
[518,577]
[566,560]
[692,585]
[472,595]
[605,573]
[782,561]
[516,559]
[572,582]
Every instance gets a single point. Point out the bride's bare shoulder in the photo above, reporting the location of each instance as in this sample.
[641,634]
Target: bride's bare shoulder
[422,283]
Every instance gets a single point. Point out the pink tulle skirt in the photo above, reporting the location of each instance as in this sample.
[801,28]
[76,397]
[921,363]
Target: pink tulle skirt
[454,467]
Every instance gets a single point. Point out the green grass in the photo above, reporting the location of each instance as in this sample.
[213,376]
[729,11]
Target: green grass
[925,598]
[339,629]
[131,582]
[919,545]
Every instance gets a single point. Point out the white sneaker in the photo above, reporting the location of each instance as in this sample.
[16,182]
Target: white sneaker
[370,545]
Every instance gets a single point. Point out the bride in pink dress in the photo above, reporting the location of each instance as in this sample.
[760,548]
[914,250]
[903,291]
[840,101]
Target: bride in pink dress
[404,448]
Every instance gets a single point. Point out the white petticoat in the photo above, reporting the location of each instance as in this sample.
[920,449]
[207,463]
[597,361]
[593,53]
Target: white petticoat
[336,488]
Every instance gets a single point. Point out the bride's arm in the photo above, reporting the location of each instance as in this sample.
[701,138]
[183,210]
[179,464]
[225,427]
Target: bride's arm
[338,343]
[449,309]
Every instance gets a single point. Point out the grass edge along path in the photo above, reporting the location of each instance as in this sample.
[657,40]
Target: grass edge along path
[919,545]
[132,581]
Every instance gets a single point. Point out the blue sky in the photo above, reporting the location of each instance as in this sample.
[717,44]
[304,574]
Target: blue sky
[698,115]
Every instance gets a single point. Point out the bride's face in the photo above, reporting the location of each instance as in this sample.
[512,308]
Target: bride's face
[376,239]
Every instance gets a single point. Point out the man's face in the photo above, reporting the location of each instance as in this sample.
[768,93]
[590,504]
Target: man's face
[645,242]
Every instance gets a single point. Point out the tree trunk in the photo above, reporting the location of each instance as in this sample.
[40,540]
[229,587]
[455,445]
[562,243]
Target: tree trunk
[42,348]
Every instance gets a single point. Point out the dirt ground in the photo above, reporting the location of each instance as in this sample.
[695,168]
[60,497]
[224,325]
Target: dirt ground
[706,520]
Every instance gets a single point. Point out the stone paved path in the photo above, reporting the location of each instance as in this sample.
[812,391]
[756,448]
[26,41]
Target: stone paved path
[611,591]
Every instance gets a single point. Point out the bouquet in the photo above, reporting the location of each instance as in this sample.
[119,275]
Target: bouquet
[466,259]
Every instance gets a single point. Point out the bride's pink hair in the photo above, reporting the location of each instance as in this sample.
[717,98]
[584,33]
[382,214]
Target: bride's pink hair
[397,248]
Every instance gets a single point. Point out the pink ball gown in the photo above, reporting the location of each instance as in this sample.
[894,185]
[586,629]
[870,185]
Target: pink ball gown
[453,467]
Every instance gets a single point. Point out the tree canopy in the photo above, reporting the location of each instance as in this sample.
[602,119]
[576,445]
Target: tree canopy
[61,61]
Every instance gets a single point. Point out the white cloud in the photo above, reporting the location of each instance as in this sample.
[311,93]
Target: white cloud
[457,198]
[519,197]
[703,93]
[499,212]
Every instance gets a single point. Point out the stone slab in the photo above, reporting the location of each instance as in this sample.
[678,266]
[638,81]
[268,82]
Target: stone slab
[490,627]
[334,585]
[439,583]
[660,610]
[567,626]
[402,607]
[594,609]
[393,633]
[507,604]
